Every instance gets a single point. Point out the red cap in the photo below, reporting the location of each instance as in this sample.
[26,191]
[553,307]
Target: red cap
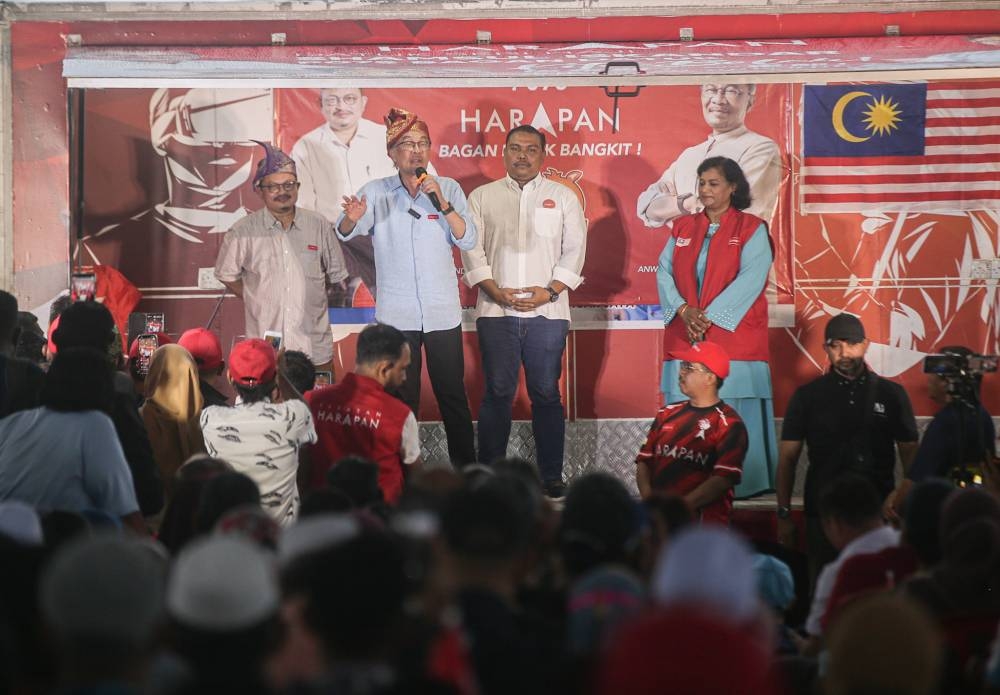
[204,347]
[133,349]
[253,362]
[712,355]
[51,343]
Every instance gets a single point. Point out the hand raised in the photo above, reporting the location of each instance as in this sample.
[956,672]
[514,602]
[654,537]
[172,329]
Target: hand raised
[354,207]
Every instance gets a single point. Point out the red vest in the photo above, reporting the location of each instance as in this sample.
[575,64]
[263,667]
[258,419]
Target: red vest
[749,340]
[358,418]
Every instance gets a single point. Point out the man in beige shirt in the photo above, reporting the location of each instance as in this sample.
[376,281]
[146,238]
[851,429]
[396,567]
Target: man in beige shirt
[530,251]
[279,260]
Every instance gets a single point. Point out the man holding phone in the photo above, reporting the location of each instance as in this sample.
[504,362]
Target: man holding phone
[279,261]
[530,251]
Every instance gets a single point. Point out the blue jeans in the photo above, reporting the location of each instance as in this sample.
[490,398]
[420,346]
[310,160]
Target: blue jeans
[506,343]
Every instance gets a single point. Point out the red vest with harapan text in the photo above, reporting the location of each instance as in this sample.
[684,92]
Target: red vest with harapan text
[749,340]
[356,417]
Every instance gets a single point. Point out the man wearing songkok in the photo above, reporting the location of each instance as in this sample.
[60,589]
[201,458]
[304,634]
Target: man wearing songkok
[357,417]
[415,221]
[695,448]
[528,256]
[261,435]
[279,261]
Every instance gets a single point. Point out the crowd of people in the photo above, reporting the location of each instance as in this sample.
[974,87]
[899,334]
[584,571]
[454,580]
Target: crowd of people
[154,543]
[176,520]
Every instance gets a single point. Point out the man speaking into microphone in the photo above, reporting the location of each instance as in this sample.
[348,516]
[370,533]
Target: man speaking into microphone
[415,220]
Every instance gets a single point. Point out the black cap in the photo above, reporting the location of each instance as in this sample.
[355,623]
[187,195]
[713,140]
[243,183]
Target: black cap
[845,327]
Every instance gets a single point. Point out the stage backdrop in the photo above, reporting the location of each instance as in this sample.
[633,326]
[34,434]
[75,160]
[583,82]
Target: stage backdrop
[169,171]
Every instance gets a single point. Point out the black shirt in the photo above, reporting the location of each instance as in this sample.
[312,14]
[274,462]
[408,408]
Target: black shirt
[952,439]
[211,395]
[20,385]
[849,425]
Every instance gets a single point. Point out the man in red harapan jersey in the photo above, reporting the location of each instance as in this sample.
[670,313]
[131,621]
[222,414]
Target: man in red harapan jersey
[357,417]
[695,449]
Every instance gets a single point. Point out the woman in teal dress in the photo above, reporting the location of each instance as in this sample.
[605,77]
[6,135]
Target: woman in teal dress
[711,279]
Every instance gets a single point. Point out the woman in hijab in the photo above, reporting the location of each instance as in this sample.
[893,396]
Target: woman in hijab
[171,411]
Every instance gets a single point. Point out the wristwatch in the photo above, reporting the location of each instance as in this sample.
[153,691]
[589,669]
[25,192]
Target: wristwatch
[784,512]
[448,210]
[553,295]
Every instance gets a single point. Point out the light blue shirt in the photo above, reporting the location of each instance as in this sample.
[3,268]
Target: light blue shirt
[747,379]
[64,461]
[732,304]
[417,278]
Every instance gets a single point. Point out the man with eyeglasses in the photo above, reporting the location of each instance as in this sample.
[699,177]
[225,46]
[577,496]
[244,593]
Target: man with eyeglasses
[336,160]
[528,255]
[852,421]
[415,220]
[695,448]
[724,107]
[279,260]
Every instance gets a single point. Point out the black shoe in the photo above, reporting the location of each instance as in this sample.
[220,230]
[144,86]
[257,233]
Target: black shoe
[554,489]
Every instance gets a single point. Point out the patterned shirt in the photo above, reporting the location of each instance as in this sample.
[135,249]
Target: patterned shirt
[687,445]
[284,275]
[527,237]
[418,281]
[262,440]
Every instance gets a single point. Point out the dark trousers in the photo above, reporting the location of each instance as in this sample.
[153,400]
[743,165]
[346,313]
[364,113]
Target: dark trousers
[819,550]
[446,369]
[506,343]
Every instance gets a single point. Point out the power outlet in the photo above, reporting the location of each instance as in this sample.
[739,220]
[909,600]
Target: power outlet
[207,281]
[986,269]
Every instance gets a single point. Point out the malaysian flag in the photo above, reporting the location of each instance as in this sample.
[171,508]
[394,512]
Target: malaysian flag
[901,147]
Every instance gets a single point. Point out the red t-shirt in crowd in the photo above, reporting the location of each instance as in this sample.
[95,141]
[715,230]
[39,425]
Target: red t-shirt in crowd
[356,417]
[688,445]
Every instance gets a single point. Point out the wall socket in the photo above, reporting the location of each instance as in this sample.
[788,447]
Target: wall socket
[207,281]
[986,269]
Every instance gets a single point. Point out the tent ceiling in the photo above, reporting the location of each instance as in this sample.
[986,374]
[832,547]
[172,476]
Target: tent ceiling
[496,65]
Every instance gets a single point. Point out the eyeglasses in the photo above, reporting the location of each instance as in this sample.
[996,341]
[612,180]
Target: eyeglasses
[413,145]
[711,91]
[287,186]
[346,100]
[530,150]
[688,367]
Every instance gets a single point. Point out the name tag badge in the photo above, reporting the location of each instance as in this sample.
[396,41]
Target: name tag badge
[548,203]
[684,241]
[434,217]
[312,247]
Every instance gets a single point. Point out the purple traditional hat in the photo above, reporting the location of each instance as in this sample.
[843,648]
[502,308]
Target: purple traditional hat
[274,161]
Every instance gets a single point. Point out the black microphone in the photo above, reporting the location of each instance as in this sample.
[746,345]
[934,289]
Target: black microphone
[421,175]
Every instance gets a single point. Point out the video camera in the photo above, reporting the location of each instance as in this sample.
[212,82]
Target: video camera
[963,370]
[952,365]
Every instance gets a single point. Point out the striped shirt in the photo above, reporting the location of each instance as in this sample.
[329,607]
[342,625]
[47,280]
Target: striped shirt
[687,445]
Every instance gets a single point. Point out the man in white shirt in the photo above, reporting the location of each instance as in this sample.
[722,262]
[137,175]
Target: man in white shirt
[335,160]
[261,436]
[724,107]
[530,251]
[850,510]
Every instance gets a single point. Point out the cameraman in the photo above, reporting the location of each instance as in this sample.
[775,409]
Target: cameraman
[960,434]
